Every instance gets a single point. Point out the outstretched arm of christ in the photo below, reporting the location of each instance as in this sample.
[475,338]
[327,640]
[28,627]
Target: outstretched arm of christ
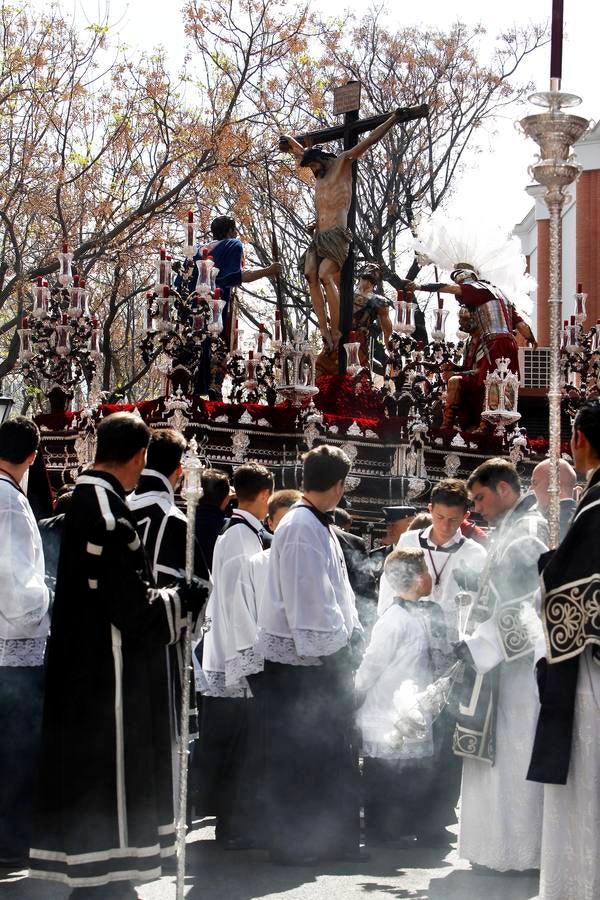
[288,144]
[373,138]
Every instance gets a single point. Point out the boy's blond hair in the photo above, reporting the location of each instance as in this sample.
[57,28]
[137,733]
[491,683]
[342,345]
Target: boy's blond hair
[402,567]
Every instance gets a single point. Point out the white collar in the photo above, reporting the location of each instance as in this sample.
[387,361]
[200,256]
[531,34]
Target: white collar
[455,539]
[152,473]
[244,514]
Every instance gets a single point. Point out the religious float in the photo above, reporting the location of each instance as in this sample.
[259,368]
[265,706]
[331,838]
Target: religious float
[268,403]
[420,404]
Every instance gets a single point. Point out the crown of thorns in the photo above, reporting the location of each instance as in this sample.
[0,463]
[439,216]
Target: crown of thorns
[315,154]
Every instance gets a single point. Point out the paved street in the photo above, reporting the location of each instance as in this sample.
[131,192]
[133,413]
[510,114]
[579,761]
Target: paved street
[218,875]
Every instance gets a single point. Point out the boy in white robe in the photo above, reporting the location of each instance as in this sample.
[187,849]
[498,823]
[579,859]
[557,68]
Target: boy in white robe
[447,553]
[242,660]
[397,781]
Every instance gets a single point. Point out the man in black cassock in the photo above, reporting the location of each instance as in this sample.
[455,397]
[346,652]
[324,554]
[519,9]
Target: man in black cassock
[565,754]
[104,815]
[162,526]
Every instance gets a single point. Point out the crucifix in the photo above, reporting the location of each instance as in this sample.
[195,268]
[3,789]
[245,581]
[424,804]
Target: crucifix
[329,260]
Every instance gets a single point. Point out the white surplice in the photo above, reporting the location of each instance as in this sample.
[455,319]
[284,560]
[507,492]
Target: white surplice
[399,650]
[313,613]
[571,825]
[242,658]
[441,564]
[24,599]
[233,549]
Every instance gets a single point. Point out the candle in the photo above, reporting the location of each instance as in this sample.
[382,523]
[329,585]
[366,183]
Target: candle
[579,288]
[65,247]
[556,42]
[166,291]
[217,293]
[440,302]
[24,322]
[190,228]
[64,319]
[277,315]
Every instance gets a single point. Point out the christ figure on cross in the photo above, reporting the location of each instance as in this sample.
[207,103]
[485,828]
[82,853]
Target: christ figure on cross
[331,239]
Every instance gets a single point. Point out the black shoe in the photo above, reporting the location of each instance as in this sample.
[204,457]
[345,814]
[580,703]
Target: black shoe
[440,838]
[355,855]
[403,842]
[242,844]
[168,865]
[290,859]
[14,863]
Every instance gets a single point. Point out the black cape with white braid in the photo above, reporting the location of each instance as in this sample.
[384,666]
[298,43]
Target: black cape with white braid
[105,800]
[571,619]
[162,528]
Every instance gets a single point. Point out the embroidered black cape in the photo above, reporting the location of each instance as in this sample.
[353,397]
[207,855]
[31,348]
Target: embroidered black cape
[509,581]
[571,619]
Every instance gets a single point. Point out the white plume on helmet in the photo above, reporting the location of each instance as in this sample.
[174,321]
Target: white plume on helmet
[455,243]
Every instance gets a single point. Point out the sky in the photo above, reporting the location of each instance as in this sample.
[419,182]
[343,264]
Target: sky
[494,181]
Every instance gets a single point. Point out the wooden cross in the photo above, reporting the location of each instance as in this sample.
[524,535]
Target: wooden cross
[349,132]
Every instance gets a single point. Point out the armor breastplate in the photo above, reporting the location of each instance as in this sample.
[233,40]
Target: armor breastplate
[491,317]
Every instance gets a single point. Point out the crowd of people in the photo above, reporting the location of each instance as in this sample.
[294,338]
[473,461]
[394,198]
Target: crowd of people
[305,644]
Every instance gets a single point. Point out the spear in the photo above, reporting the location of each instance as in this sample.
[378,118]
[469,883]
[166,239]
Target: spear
[275,249]
[192,471]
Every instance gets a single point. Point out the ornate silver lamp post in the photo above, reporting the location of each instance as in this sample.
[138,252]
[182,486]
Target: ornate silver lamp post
[556,168]
[192,488]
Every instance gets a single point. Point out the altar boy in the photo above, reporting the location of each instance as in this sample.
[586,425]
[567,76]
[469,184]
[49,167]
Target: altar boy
[397,781]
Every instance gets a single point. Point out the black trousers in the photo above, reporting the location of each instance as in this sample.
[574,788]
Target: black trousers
[218,759]
[21,702]
[445,789]
[397,794]
[228,765]
[312,781]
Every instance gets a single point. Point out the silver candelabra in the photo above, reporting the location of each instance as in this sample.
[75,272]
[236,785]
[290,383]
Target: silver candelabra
[554,131]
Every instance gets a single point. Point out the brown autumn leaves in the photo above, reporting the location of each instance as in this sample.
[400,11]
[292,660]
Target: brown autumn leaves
[107,147]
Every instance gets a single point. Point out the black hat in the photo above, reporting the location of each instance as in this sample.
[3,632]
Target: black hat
[315,154]
[396,513]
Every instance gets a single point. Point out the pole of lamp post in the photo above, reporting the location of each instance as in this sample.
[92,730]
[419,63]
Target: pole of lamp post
[555,131]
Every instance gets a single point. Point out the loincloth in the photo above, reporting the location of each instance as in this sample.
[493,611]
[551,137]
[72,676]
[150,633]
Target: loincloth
[333,243]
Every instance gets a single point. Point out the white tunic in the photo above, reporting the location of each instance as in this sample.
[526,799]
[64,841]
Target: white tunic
[571,824]
[439,563]
[233,549]
[24,600]
[398,651]
[242,657]
[308,609]
[501,812]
